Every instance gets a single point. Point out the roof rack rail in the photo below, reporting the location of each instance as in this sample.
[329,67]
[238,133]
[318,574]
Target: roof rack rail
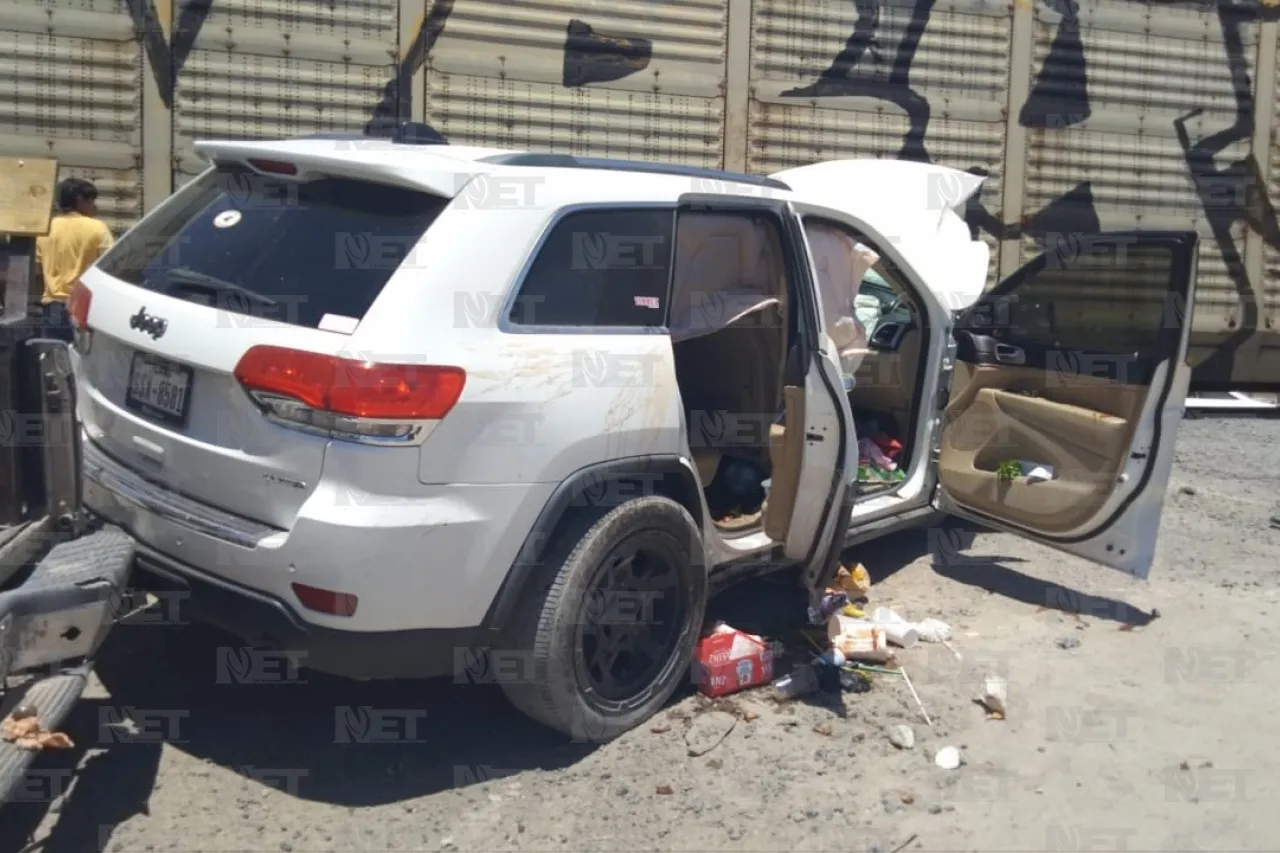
[569,161]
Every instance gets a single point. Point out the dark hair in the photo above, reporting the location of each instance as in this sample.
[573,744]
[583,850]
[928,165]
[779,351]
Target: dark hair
[72,191]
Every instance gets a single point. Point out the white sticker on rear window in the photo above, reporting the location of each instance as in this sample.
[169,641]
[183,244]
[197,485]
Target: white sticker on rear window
[338,323]
[647,302]
[226,219]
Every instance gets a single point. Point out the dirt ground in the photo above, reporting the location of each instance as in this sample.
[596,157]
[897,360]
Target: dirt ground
[1143,721]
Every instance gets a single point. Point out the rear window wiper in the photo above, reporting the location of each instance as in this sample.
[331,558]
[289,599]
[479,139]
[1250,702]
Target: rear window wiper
[184,278]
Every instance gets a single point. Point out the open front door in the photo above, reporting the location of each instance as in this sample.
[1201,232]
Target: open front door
[810,439]
[1069,384]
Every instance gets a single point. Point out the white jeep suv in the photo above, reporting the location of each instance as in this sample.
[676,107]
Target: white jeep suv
[388,405]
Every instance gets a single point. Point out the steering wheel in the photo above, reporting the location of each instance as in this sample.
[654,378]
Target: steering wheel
[891,307]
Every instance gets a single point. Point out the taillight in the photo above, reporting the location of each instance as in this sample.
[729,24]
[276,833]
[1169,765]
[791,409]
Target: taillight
[326,600]
[274,167]
[78,305]
[349,398]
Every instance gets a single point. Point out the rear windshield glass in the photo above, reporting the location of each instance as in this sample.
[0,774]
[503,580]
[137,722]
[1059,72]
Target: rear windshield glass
[312,254]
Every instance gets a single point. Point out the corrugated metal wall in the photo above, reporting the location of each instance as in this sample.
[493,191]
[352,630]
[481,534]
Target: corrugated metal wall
[282,68]
[827,83]
[1072,106]
[631,78]
[71,88]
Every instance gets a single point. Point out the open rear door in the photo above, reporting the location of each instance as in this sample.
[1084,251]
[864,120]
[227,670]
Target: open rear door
[1069,385]
[812,448]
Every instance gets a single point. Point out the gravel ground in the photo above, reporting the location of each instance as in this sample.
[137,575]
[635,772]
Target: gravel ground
[1140,718]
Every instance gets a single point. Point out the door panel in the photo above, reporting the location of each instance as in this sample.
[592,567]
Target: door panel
[1077,364]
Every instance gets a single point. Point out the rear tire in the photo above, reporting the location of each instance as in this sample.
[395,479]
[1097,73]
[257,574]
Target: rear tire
[628,585]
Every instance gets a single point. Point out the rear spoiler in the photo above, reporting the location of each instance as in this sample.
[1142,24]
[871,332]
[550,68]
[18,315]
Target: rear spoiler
[363,158]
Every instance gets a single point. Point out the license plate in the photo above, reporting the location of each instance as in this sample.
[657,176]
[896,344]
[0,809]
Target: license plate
[159,389]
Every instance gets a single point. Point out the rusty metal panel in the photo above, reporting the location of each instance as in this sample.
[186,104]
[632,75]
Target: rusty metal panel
[833,79]
[70,88]
[1136,113]
[640,79]
[274,68]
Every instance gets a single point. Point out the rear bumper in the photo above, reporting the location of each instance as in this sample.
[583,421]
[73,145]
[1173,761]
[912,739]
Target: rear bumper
[264,621]
[433,561]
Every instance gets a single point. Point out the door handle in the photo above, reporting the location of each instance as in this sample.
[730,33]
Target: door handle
[1009,354]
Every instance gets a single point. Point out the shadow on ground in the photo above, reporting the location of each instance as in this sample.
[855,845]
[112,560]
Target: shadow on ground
[419,737]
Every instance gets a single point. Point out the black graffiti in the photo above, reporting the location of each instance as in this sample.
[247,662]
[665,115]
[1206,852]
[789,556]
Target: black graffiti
[847,74]
[396,103]
[167,59]
[595,57]
[1059,99]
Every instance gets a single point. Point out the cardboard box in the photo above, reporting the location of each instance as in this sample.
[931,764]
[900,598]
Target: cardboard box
[728,660]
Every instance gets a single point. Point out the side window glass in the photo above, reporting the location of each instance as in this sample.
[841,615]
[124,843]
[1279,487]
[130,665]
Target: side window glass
[1110,297]
[605,268]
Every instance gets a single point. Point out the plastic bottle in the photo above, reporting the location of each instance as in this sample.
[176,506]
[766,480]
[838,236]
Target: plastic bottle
[801,681]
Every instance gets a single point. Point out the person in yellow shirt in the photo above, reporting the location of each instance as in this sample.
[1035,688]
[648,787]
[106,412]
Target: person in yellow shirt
[76,239]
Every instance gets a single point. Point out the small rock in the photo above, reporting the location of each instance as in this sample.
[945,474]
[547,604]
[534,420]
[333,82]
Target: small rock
[935,809]
[715,763]
[621,791]
[901,736]
[1067,643]
[446,843]
[1187,490]
[891,805]
[286,847]
[665,790]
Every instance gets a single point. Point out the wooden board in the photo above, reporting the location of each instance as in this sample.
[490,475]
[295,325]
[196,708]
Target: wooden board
[27,185]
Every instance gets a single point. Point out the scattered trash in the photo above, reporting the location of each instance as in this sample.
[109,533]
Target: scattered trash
[995,695]
[901,736]
[916,696]
[1067,643]
[856,581]
[665,790]
[708,731]
[948,758]
[852,681]
[933,631]
[801,681]
[24,730]
[897,630]
[907,797]
[858,639]
[728,660]
[1035,472]
[822,729]
[660,730]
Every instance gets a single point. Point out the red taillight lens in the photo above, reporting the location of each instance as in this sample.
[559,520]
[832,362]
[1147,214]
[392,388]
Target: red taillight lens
[353,388]
[274,167]
[326,600]
[78,305]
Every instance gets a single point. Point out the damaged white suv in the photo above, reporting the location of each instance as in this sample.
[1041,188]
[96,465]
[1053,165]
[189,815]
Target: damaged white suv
[385,404]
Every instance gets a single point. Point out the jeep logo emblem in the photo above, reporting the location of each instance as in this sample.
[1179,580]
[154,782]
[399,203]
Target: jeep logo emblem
[148,325]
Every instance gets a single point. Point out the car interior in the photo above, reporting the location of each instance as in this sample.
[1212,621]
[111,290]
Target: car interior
[732,339]
[730,327]
[886,365]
